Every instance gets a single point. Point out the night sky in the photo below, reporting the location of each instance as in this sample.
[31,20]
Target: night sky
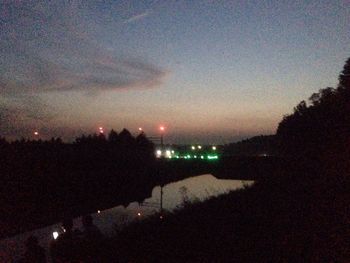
[210,71]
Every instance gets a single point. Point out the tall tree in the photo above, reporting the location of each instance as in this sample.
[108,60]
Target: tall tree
[344,78]
[322,128]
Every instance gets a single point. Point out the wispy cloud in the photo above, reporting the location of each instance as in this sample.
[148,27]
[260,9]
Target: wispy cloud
[44,51]
[47,47]
[137,17]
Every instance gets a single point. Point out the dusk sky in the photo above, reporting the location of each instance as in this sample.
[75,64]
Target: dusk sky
[209,71]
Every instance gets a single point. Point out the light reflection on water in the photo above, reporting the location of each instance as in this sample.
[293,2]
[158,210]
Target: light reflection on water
[193,189]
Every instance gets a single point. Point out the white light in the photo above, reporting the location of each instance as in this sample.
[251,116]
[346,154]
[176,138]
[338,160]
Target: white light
[214,148]
[36,133]
[98,211]
[167,153]
[159,153]
[55,235]
[199,147]
[193,147]
[172,151]
[140,129]
[138,214]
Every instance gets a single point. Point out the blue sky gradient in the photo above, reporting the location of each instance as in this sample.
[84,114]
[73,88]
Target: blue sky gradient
[210,71]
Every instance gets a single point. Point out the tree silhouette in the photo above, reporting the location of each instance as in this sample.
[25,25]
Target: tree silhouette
[113,137]
[344,77]
[319,130]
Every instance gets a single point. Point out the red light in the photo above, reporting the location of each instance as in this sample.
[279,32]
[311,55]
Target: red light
[162,128]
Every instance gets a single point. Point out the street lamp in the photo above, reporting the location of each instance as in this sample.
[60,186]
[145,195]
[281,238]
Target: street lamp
[162,129]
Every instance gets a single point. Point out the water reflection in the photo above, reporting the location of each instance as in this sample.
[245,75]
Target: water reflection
[191,189]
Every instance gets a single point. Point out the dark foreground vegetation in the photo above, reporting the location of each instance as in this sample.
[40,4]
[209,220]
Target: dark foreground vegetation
[300,213]
[286,218]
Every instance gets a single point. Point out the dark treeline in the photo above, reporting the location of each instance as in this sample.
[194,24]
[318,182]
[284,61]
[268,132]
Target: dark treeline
[42,181]
[256,146]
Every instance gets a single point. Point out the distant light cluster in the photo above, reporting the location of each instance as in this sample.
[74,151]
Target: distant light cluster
[196,152]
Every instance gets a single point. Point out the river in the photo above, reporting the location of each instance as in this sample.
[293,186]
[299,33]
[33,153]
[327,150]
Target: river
[193,189]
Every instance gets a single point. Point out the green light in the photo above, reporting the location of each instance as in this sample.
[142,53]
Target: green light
[212,157]
[202,157]
[195,156]
[188,156]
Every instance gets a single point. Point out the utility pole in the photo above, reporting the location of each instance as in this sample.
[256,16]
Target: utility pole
[161,200]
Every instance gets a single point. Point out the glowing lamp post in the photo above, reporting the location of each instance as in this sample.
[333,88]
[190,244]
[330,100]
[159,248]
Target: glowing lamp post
[162,129]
